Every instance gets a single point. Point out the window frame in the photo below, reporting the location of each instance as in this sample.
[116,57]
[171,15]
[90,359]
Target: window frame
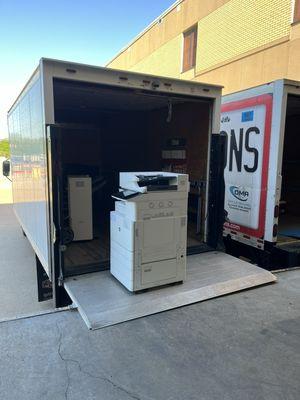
[187,65]
[296,11]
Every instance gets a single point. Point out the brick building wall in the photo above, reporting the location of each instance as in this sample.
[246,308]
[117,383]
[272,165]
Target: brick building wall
[240,43]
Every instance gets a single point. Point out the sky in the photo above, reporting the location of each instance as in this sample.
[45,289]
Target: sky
[89,31]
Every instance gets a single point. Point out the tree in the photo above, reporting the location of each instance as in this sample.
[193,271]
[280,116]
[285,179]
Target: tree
[4,148]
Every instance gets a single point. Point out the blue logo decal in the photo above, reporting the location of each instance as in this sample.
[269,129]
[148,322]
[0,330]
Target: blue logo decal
[247,116]
[239,193]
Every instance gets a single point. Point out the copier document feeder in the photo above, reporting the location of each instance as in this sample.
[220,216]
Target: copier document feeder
[149,229]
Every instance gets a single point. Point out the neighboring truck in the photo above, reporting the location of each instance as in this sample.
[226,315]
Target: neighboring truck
[84,121]
[262,173]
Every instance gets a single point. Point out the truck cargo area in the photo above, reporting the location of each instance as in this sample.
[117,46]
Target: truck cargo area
[103,131]
[289,213]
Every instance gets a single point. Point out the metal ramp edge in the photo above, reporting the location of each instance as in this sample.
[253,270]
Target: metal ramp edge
[102,301]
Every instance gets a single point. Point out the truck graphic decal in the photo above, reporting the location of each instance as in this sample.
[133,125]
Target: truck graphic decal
[239,193]
[247,116]
[247,125]
[237,147]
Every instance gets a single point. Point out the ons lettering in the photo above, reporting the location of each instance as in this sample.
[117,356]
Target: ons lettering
[236,147]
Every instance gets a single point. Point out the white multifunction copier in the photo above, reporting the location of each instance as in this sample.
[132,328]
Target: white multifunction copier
[149,229]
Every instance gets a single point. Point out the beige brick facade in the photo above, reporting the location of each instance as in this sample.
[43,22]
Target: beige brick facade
[241,43]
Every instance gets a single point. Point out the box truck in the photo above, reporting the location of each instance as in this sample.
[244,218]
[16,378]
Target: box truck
[262,173]
[72,130]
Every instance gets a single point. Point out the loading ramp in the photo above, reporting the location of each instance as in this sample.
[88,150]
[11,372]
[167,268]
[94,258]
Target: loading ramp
[102,301]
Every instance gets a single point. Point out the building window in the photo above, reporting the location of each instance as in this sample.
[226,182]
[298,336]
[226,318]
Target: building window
[189,49]
[297,11]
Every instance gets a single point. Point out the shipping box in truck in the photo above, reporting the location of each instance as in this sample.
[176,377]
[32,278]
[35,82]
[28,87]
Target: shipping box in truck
[262,173]
[74,120]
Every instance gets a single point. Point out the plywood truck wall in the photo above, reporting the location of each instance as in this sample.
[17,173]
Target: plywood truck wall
[191,122]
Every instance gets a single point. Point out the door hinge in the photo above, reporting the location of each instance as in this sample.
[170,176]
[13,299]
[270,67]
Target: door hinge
[60,280]
[53,233]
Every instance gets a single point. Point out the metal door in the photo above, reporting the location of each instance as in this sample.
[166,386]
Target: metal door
[56,205]
[216,214]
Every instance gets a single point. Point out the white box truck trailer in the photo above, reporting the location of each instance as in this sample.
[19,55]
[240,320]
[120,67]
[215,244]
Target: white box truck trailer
[79,120]
[262,173]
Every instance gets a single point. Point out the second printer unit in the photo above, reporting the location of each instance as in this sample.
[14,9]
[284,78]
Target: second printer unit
[149,229]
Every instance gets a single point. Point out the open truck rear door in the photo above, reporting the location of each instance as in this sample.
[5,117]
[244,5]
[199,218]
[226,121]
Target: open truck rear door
[261,179]
[247,125]
[58,234]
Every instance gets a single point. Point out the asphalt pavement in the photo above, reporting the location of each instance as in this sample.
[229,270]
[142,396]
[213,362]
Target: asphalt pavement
[18,285]
[243,346]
